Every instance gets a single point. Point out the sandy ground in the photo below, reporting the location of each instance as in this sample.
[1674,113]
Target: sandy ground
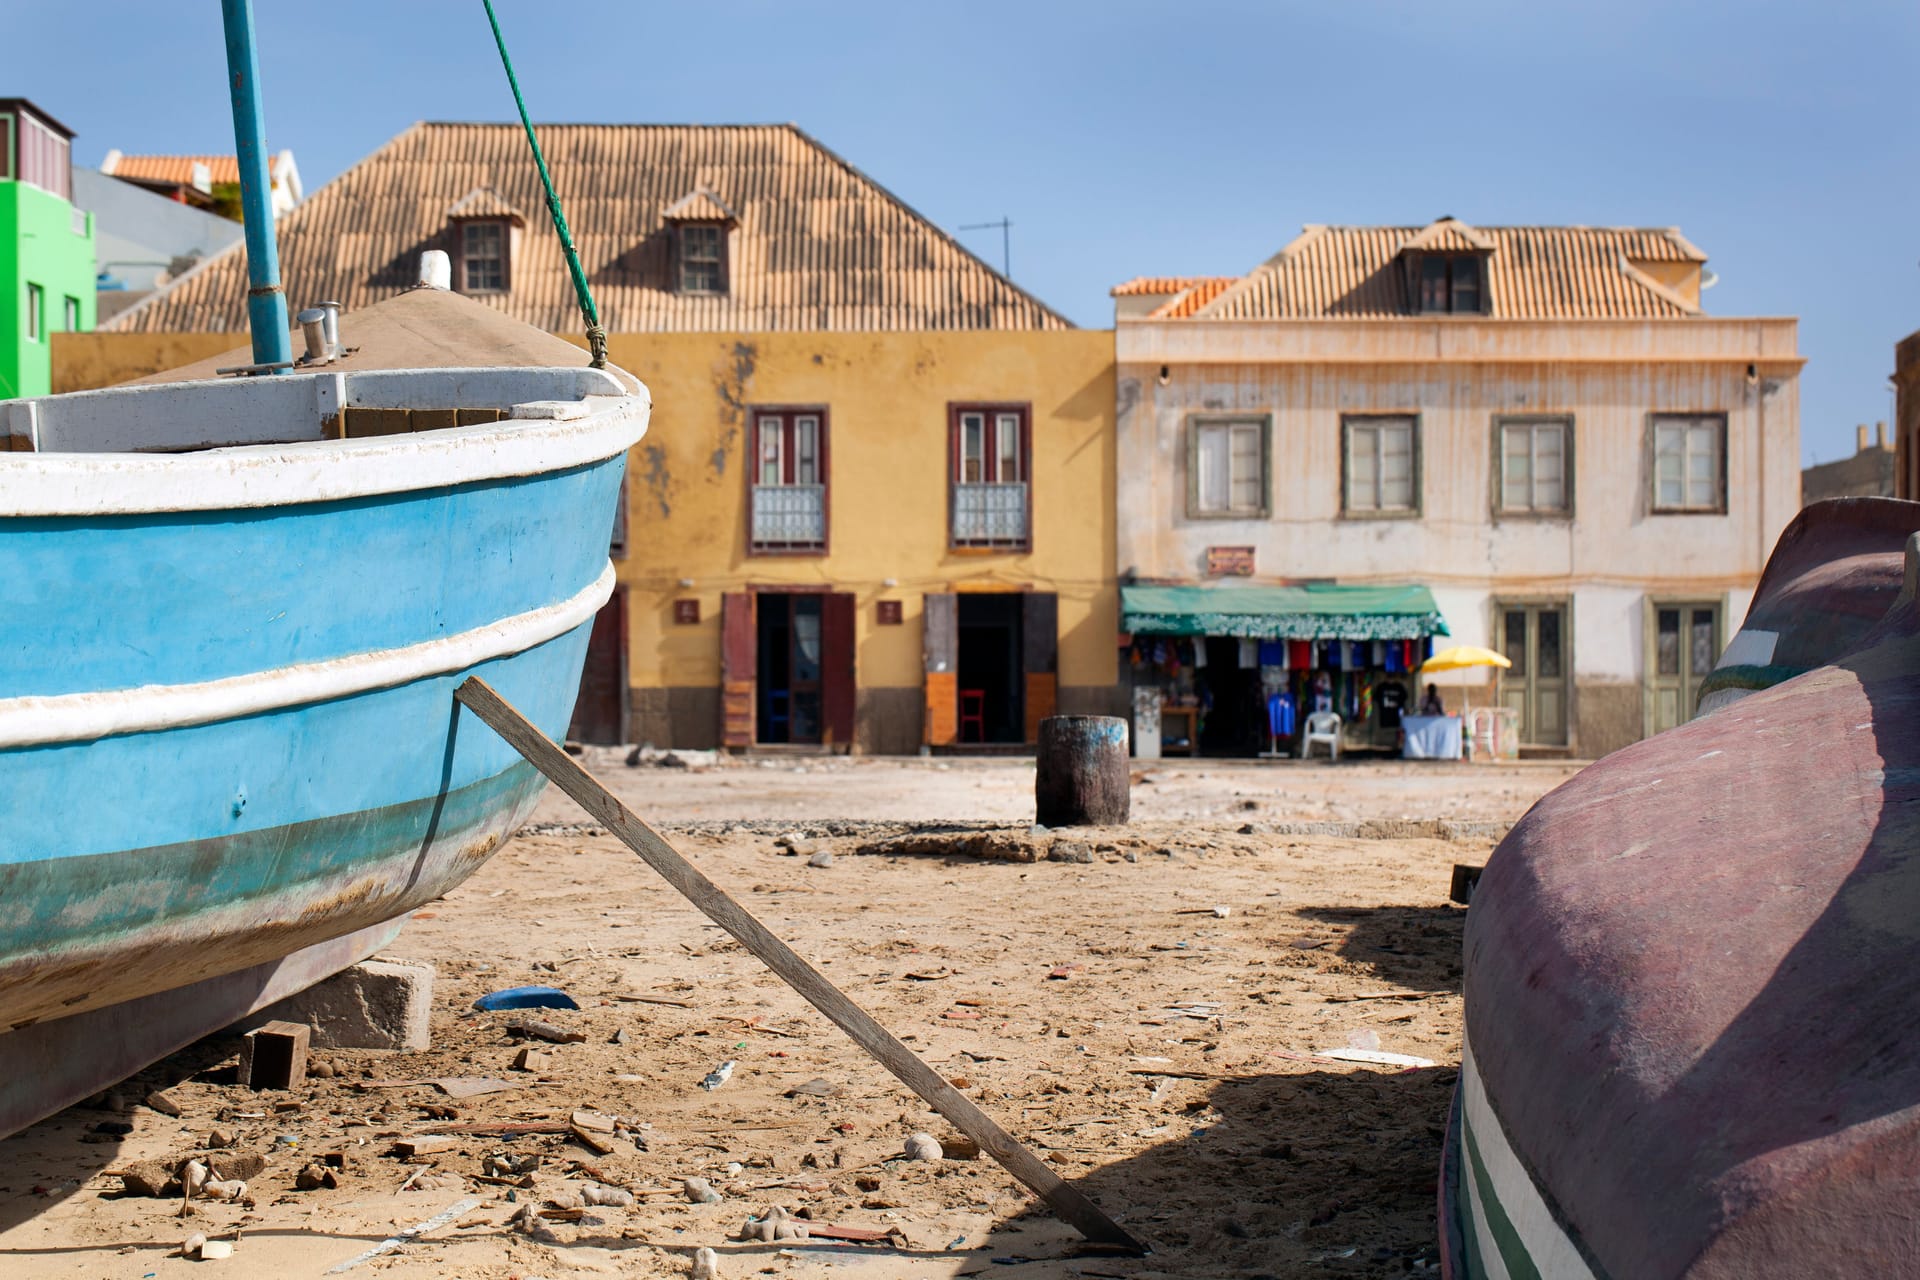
[1166,1057]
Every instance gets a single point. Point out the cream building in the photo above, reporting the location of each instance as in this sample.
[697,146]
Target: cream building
[1540,425]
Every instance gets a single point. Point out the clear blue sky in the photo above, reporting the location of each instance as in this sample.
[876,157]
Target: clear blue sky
[1126,138]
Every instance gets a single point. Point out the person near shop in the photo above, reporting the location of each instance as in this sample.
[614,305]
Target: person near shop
[1430,704]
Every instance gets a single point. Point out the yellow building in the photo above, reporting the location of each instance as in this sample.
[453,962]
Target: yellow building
[875,508]
[883,539]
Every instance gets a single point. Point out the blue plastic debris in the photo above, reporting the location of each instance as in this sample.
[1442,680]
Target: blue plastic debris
[525,998]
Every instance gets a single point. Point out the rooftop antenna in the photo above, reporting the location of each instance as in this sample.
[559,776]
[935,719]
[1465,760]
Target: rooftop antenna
[1006,241]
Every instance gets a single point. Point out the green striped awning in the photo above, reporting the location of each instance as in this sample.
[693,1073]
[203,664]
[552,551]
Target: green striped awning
[1313,612]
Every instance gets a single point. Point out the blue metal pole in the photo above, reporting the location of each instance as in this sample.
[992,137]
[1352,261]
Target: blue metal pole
[266,303]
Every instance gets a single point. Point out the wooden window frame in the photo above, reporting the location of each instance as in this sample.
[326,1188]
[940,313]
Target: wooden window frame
[1199,423]
[955,409]
[1666,417]
[1502,421]
[1650,607]
[1566,604]
[788,413]
[461,286]
[1417,479]
[1416,284]
[721,262]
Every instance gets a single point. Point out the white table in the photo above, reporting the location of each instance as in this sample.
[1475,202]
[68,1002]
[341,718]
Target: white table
[1430,737]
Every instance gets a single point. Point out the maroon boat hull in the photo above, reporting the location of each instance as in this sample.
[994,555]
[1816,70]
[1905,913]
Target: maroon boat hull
[1691,975]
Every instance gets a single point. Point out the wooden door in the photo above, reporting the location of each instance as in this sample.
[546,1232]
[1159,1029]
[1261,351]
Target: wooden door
[837,690]
[1534,638]
[600,713]
[1683,644]
[940,650]
[736,669]
[1040,647]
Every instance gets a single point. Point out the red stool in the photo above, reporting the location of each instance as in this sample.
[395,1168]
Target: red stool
[973,711]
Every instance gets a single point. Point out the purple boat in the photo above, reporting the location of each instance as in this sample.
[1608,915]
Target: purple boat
[1690,972]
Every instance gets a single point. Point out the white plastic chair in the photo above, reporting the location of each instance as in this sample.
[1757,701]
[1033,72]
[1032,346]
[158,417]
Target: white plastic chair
[1322,726]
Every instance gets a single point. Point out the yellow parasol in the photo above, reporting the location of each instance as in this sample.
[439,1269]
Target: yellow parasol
[1463,656]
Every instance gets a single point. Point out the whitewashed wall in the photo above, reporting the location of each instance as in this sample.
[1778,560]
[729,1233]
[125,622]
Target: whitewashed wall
[1608,557]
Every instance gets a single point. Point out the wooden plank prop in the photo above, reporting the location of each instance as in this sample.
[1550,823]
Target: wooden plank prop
[477,696]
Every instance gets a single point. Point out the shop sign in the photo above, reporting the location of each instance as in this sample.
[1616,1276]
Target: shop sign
[1229,562]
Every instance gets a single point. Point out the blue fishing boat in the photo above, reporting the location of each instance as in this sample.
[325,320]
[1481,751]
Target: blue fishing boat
[236,610]
[228,736]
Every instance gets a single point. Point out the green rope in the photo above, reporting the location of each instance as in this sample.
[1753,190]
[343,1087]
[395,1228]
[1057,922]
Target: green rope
[596,336]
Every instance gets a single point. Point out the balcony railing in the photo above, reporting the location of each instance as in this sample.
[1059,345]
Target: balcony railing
[989,515]
[789,517]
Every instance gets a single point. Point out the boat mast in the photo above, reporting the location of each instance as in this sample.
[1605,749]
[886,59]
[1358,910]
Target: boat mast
[266,303]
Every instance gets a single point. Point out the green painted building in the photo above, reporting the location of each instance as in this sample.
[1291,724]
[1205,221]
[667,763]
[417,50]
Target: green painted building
[46,247]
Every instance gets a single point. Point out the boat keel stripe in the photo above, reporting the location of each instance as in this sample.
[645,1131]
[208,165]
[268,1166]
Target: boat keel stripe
[1511,1223]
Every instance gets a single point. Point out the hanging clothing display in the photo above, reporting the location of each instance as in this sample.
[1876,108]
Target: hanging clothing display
[1280,715]
[1317,646]
[1393,703]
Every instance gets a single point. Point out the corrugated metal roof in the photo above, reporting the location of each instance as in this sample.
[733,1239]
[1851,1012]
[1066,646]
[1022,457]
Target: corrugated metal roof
[1533,273]
[819,245]
[175,169]
[483,202]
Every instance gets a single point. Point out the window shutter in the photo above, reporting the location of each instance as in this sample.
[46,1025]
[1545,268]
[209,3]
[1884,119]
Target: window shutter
[1040,639]
[940,648]
[736,669]
[837,689]
[1247,491]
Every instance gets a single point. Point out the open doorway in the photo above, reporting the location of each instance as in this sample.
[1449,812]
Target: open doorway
[1236,722]
[992,674]
[787,649]
[786,668]
[992,666]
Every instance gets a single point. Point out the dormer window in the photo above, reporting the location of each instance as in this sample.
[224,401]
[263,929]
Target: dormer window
[703,261]
[702,224]
[1451,283]
[1446,265]
[483,231]
[483,257]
